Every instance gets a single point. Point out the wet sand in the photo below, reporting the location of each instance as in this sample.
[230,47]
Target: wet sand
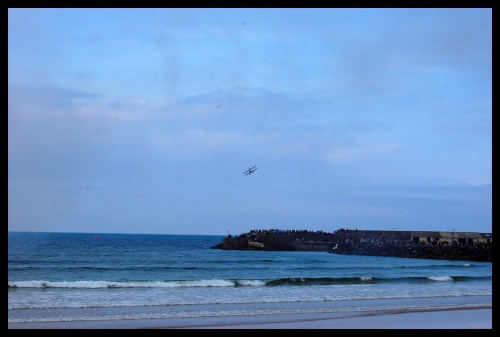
[480,318]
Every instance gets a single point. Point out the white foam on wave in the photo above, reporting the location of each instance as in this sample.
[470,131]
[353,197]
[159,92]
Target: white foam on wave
[252,283]
[207,283]
[440,278]
[232,300]
[133,284]
[61,284]
[365,278]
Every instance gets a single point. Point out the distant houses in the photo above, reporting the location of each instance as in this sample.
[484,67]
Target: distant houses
[420,236]
[486,237]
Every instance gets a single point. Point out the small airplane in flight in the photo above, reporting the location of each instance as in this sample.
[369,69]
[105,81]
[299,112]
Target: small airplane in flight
[250,170]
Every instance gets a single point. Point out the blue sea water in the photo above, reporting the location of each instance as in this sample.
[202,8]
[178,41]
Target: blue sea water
[70,277]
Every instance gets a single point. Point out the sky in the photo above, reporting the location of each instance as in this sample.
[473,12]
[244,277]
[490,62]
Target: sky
[144,120]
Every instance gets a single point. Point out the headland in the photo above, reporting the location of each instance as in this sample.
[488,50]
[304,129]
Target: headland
[468,246]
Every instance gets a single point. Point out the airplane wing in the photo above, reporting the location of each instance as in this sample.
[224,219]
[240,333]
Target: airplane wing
[250,170]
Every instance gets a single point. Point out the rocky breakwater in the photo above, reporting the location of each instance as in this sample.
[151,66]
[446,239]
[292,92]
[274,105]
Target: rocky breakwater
[279,240]
[455,251]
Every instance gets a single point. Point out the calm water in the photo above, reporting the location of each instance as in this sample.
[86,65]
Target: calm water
[55,277]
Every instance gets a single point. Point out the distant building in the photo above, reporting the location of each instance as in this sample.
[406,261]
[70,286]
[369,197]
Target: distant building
[485,237]
[426,236]
[419,236]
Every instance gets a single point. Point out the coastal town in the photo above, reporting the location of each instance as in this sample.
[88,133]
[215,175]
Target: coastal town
[469,246]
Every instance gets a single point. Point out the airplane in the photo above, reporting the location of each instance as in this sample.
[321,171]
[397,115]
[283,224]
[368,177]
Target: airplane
[250,170]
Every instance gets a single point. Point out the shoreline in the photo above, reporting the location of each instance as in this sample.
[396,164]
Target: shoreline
[454,318]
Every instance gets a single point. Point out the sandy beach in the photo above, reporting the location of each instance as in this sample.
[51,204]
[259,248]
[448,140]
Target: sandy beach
[479,318]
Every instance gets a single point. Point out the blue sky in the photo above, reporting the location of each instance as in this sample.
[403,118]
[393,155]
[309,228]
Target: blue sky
[143,120]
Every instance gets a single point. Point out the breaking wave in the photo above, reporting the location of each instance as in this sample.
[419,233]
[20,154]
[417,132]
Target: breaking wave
[303,281]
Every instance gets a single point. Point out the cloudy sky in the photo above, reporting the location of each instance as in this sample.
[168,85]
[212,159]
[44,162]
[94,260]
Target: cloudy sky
[144,120]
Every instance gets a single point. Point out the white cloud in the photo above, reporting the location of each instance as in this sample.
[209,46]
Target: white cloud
[195,142]
[360,149]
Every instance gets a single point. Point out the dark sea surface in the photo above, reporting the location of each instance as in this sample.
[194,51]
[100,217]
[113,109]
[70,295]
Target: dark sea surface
[71,277]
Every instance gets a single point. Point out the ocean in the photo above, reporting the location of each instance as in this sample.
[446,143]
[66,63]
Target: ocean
[82,277]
